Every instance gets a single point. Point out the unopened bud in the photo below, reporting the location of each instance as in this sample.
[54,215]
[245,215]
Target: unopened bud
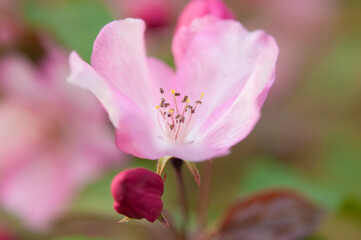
[137,194]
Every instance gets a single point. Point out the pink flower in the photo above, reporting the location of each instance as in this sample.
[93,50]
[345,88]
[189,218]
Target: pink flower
[293,22]
[5,234]
[201,8]
[156,13]
[223,76]
[54,139]
[137,193]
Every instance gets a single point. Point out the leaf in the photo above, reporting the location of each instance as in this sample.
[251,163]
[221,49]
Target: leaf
[75,23]
[265,172]
[273,215]
[125,220]
[163,220]
[193,168]
[161,164]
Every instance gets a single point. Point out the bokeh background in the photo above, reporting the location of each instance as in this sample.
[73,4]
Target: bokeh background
[308,139]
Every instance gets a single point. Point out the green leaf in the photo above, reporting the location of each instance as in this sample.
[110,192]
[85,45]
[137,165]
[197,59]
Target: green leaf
[75,23]
[193,168]
[265,172]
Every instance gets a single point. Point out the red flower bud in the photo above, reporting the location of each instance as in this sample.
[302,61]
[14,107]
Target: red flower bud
[137,193]
[201,8]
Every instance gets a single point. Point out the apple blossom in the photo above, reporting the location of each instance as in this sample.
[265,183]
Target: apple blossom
[54,139]
[209,104]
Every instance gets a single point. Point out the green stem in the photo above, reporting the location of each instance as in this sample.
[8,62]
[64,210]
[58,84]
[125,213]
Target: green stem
[204,195]
[177,164]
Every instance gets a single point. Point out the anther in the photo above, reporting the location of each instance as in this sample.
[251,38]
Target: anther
[177,94]
[198,102]
[161,90]
[185,99]
[175,100]
[166,105]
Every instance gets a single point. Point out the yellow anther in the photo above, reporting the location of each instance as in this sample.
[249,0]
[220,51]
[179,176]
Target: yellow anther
[188,100]
[171,111]
[157,107]
[173,91]
[202,94]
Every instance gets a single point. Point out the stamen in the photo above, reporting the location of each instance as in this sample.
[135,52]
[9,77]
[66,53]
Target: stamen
[157,107]
[177,127]
[185,99]
[171,111]
[175,100]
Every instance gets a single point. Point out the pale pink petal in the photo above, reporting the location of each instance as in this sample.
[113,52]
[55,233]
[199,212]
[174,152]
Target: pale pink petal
[19,78]
[196,152]
[140,137]
[137,133]
[162,77]
[239,119]
[200,8]
[218,57]
[85,77]
[119,57]
[156,13]
[38,191]
[20,132]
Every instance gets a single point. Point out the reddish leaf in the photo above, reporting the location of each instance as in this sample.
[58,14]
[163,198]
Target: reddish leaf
[273,215]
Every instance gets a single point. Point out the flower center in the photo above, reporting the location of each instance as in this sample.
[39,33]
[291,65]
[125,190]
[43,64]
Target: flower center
[174,118]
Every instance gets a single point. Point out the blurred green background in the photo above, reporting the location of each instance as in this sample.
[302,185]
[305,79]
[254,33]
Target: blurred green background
[308,139]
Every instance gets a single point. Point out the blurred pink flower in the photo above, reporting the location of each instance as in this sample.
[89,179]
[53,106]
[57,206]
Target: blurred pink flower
[225,70]
[138,194]
[11,24]
[156,13]
[201,8]
[303,30]
[5,234]
[54,139]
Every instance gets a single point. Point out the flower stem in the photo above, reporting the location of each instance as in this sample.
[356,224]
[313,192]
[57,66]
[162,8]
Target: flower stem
[204,195]
[177,164]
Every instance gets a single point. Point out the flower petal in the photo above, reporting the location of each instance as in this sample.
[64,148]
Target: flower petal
[140,136]
[119,57]
[199,151]
[220,58]
[201,8]
[19,79]
[85,77]
[239,119]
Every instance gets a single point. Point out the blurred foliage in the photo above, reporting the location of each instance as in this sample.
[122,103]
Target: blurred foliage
[75,23]
[78,238]
[264,172]
[331,92]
